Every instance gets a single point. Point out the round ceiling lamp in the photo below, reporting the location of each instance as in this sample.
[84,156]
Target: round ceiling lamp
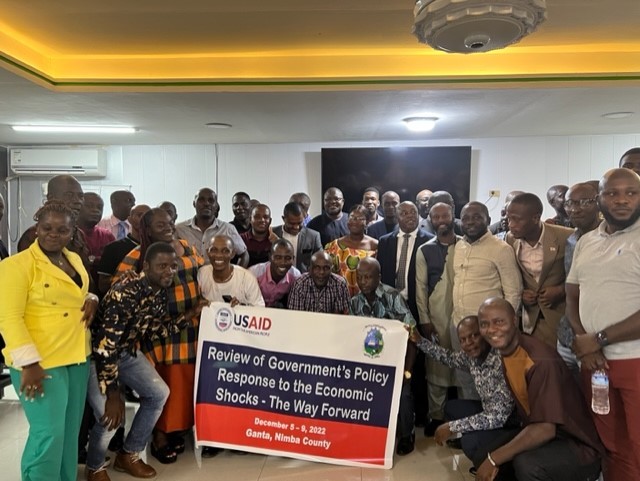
[469,26]
[420,124]
[617,115]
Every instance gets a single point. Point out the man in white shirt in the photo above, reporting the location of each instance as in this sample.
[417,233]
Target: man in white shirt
[603,308]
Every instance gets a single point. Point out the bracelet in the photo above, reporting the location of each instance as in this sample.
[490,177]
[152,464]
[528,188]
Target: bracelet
[493,463]
[92,297]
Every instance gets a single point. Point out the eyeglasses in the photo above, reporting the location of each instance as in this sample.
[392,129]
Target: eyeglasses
[357,218]
[570,204]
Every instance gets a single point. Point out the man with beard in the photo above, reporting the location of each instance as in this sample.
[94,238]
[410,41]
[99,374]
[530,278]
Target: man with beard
[434,298]
[199,230]
[435,198]
[582,207]
[539,250]
[558,441]
[390,203]
[319,290]
[276,277]
[603,307]
[483,267]
[332,223]
[371,202]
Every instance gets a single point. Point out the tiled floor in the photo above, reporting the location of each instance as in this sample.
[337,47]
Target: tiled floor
[427,462]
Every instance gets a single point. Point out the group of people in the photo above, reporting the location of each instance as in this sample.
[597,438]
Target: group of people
[507,321]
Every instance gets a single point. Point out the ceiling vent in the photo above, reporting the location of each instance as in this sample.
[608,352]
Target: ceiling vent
[468,26]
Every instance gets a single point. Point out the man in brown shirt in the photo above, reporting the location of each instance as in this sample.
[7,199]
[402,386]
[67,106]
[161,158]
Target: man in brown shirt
[558,441]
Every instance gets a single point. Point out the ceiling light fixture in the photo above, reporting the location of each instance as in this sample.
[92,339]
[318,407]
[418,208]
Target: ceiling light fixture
[468,26]
[617,115]
[218,125]
[420,124]
[75,129]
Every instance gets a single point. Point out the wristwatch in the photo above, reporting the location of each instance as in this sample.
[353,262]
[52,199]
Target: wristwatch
[407,374]
[602,339]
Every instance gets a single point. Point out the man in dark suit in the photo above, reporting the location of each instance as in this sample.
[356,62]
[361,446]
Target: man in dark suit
[539,249]
[396,255]
[390,247]
[305,241]
[389,221]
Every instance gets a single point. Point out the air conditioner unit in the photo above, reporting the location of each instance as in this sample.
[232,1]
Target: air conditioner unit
[38,161]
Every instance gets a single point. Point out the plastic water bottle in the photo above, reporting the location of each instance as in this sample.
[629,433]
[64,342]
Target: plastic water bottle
[600,392]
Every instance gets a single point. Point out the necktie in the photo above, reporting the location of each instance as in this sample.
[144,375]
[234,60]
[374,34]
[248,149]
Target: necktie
[402,263]
[122,230]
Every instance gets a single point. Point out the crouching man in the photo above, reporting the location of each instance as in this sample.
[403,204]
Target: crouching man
[481,422]
[129,311]
[558,441]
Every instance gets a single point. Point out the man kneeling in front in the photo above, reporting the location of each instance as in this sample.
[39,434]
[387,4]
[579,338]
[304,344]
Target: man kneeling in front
[129,311]
[558,441]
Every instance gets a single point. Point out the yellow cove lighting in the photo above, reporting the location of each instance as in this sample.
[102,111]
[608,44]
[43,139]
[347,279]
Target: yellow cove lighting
[75,129]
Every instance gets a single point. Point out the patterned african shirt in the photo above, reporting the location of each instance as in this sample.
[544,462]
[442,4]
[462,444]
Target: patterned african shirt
[183,294]
[388,304]
[497,402]
[127,313]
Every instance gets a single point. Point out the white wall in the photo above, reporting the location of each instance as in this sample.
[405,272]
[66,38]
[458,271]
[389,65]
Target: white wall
[271,172]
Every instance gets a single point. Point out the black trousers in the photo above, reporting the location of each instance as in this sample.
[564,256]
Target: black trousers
[556,460]
[474,444]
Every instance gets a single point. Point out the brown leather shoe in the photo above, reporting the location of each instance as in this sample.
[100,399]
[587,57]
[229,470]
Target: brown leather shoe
[97,474]
[131,463]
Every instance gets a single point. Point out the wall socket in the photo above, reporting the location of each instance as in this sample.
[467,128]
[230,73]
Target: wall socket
[494,193]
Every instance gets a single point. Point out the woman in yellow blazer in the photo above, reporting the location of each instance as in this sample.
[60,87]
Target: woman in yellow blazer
[46,309]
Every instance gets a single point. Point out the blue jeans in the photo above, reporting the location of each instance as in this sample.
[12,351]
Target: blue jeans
[138,374]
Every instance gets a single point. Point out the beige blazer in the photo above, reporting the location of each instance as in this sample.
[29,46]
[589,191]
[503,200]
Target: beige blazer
[554,241]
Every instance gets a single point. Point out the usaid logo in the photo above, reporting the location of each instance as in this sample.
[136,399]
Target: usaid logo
[224,319]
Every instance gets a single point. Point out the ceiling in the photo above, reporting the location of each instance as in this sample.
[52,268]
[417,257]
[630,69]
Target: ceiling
[299,71]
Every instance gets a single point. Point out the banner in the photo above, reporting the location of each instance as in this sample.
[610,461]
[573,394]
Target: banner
[318,387]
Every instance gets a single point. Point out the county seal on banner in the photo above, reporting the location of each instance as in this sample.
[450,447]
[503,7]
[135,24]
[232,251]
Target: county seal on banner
[318,387]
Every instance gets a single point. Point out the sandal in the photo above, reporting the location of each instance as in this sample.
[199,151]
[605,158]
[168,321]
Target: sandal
[166,454]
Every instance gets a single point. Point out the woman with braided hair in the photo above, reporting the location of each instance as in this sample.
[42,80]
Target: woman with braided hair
[46,310]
